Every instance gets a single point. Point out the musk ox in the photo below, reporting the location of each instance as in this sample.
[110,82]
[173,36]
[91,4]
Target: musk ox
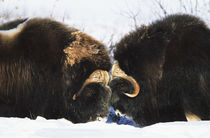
[49,69]
[163,71]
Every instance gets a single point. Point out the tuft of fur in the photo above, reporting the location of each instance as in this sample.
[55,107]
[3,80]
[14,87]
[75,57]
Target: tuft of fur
[170,59]
[39,73]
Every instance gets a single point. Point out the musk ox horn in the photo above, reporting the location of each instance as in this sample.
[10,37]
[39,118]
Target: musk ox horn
[99,76]
[117,72]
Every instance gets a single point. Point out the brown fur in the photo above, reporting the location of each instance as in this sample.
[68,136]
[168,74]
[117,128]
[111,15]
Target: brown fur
[83,47]
[43,64]
[170,60]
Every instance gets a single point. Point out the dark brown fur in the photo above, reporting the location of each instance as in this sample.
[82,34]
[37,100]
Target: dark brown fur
[37,79]
[170,59]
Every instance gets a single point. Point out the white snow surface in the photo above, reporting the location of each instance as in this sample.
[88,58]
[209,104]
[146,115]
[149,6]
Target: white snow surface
[107,21]
[42,128]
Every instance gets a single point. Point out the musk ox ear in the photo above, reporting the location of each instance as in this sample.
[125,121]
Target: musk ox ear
[12,24]
[99,76]
[117,72]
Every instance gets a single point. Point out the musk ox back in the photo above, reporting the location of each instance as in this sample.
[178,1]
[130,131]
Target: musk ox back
[51,70]
[170,63]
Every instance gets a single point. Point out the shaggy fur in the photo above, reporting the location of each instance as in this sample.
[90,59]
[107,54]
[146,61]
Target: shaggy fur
[170,59]
[37,78]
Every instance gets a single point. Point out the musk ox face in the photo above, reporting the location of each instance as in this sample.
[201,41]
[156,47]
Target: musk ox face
[167,59]
[51,70]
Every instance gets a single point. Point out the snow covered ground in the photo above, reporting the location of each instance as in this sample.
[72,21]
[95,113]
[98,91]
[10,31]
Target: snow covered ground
[41,128]
[107,21]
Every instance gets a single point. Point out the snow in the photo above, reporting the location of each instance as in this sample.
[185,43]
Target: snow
[107,21]
[42,128]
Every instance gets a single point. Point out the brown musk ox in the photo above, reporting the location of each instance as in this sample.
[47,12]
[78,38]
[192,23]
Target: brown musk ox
[162,72]
[51,70]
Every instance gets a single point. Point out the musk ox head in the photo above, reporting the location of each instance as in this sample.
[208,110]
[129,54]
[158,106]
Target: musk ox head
[164,61]
[49,69]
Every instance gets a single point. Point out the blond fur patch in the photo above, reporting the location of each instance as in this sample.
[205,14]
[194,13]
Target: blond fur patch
[192,117]
[83,47]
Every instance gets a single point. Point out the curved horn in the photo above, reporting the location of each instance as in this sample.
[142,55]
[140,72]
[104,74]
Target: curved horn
[117,72]
[98,76]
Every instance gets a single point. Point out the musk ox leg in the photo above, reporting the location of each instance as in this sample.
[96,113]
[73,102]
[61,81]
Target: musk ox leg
[170,114]
[6,109]
[196,100]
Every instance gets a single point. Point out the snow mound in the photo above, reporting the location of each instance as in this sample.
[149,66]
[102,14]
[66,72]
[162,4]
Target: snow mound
[42,128]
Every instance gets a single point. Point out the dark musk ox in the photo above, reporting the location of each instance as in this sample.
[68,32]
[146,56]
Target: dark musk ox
[49,69]
[164,71]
